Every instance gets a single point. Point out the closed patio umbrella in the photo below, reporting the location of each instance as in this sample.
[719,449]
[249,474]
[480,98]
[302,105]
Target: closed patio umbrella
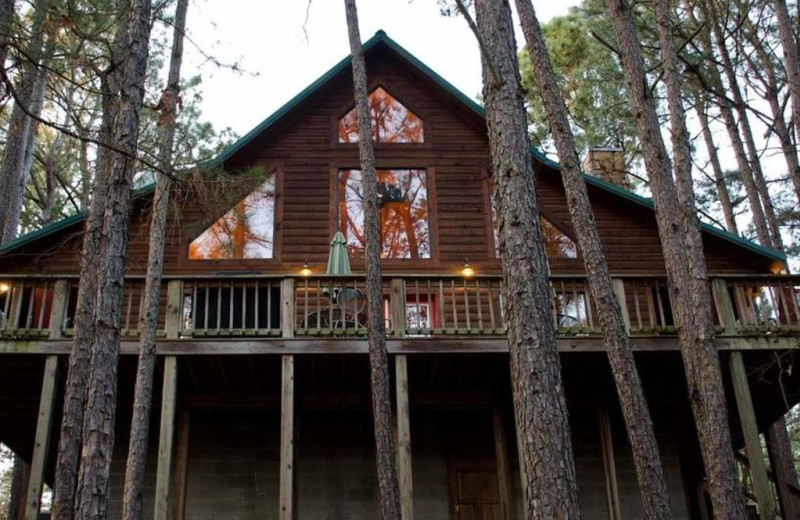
[338,263]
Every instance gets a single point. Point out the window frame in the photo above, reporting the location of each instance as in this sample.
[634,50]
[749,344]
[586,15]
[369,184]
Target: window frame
[430,175]
[277,233]
[343,110]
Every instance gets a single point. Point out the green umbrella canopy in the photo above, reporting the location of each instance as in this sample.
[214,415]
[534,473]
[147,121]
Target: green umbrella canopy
[338,262]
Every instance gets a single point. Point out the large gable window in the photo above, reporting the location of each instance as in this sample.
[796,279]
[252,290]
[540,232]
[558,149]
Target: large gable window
[245,231]
[391,121]
[402,213]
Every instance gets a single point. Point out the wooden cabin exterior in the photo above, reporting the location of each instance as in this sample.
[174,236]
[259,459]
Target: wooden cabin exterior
[263,372]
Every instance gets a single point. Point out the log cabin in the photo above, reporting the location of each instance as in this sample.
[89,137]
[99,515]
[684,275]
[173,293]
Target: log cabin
[262,408]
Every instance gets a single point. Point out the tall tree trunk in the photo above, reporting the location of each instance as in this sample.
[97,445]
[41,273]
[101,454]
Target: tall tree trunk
[781,458]
[378,357]
[98,425]
[539,402]
[20,138]
[790,59]
[689,291]
[6,28]
[71,435]
[715,19]
[140,423]
[647,461]
[713,157]
[765,71]
[711,78]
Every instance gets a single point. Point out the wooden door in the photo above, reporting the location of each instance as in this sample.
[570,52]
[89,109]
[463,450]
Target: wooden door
[472,469]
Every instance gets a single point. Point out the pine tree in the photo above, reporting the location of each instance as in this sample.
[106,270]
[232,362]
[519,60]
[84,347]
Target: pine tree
[378,357]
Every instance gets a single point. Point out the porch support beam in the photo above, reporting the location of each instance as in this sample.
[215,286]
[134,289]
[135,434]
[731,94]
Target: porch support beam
[165,439]
[41,447]
[286,475]
[404,439]
[505,478]
[181,465]
[747,418]
[609,463]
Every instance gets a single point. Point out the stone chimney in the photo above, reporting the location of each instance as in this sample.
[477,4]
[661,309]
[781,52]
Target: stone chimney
[607,163]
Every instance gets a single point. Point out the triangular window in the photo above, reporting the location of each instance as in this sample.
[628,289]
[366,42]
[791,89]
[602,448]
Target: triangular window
[246,231]
[391,121]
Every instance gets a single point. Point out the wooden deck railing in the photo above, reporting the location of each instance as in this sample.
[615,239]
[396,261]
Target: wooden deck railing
[415,306]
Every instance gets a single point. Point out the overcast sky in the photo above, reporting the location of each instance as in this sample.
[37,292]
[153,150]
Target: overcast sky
[267,39]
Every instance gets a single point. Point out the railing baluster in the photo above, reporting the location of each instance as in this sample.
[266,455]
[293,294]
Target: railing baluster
[256,315]
[244,304]
[230,307]
[635,286]
[40,321]
[661,315]
[491,305]
[128,312]
[416,296]
[6,323]
[588,298]
[453,302]
[208,290]
[480,311]
[441,305]
[219,306]
[466,304]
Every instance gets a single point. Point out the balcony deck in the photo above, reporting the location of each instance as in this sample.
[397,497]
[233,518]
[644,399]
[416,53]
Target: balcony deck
[260,314]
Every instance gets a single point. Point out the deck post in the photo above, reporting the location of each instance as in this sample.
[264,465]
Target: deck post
[398,300]
[744,404]
[181,465]
[609,463]
[165,440]
[404,472]
[619,291]
[724,305]
[288,315]
[286,474]
[41,447]
[59,309]
[172,321]
[747,418]
[505,478]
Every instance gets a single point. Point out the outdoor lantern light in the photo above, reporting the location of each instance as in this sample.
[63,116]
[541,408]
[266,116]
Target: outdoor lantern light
[4,287]
[467,271]
[305,270]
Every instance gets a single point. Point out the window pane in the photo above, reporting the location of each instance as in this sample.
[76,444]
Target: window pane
[246,231]
[402,217]
[556,243]
[391,121]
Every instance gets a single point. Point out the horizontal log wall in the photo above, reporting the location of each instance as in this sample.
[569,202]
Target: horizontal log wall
[304,153]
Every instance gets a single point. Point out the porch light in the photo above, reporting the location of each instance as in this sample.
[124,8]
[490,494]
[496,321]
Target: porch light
[4,287]
[467,271]
[306,269]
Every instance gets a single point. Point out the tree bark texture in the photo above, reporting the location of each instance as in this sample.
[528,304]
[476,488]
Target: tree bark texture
[143,396]
[781,458]
[21,127]
[71,434]
[539,402]
[378,357]
[790,59]
[689,292]
[647,461]
[719,176]
[98,426]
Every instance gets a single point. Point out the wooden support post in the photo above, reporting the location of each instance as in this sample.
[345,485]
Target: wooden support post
[505,479]
[404,439]
[619,291]
[286,476]
[59,308]
[609,464]
[747,418]
[165,439]
[181,465]
[398,301]
[288,315]
[41,447]
[722,301]
[172,321]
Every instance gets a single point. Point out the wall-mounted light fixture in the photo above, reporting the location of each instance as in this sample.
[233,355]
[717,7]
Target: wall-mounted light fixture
[467,271]
[306,269]
[4,287]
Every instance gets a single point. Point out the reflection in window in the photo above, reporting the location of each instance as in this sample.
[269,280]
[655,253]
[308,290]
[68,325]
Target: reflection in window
[391,121]
[246,231]
[402,213]
[556,243]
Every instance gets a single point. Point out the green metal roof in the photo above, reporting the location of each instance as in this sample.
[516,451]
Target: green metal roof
[305,94]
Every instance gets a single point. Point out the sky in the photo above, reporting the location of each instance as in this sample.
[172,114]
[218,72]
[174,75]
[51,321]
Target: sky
[280,57]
